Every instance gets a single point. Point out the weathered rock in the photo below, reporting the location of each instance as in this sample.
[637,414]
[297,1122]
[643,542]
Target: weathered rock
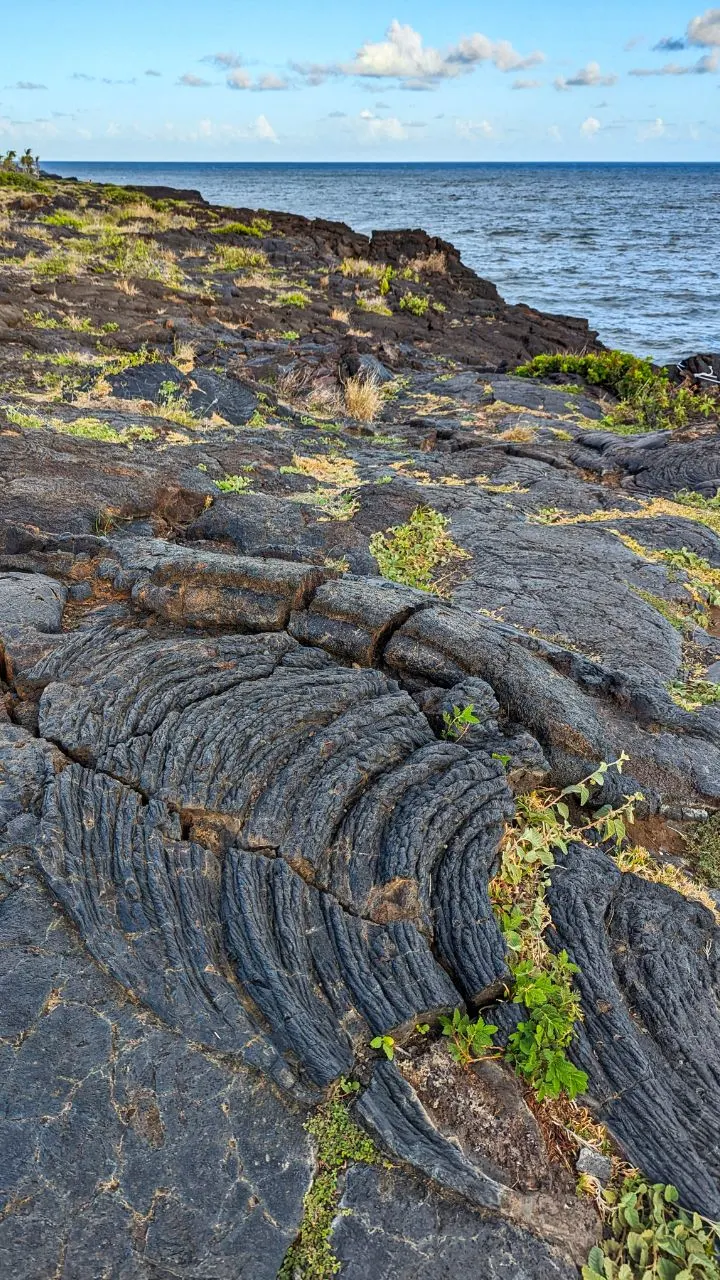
[649,980]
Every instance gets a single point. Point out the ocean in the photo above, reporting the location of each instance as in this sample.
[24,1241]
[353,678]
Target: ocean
[632,247]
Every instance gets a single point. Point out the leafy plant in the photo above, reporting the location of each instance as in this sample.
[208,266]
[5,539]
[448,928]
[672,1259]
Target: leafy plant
[292,299]
[652,1238]
[234,484]
[537,1048]
[458,721]
[648,400]
[386,1043]
[470,1041]
[412,553]
[415,303]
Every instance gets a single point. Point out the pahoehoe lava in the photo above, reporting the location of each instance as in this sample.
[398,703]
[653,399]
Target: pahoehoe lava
[234,844]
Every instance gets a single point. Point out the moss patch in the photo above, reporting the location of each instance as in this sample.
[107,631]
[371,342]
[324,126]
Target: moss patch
[340,1142]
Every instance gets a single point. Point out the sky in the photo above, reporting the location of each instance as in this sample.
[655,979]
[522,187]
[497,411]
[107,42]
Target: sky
[278,80]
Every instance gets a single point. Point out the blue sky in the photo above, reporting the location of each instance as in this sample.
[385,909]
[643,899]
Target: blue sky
[278,80]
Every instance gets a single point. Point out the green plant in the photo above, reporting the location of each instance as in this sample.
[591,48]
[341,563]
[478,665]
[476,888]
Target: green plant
[374,305]
[543,980]
[290,335]
[292,299]
[258,227]
[458,721]
[647,399]
[386,1043]
[704,848]
[339,1142]
[537,1049]
[694,693]
[234,257]
[234,484]
[470,1041]
[414,303]
[61,219]
[412,553]
[651,1238]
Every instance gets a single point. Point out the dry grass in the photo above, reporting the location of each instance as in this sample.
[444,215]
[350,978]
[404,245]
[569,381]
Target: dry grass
[327,468]
[184,353]
[642,863]
[235,257]
[126,286]
[522,434]
[431,262]
[340,315]
[357,268]
[363,398]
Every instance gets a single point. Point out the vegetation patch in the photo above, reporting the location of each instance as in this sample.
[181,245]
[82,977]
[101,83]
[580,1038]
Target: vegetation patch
[339,1142]
[704,848]
[543,981]
[649,401]
[258,227]
[415,303]
[234,257]
[650,1237]
[413,553]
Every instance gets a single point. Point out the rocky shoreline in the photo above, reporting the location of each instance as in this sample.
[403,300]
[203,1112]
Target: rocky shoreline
[277,511]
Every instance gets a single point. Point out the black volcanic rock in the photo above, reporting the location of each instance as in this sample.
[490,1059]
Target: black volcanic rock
[239,836]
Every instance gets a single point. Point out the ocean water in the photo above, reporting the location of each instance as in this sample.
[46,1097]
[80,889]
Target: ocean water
[634,248]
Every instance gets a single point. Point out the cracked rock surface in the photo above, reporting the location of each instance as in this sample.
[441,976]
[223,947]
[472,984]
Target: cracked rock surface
[234,844]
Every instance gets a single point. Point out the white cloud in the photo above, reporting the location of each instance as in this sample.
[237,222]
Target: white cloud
[656,129]
[193,82]
[705,30]
[270,82]
[588,76]
[471,129]
[264,130]
[590,127]
[381,129]
[238,79]
[554,133]
[704,66]
[526,84]
[223,61]
[25,84]
[403,56]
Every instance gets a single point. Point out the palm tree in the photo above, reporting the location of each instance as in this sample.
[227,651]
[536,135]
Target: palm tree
[26,161]
[9,160]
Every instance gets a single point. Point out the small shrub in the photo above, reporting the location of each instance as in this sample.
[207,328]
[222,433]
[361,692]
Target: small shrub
[415,304]
[648,400]
[537,1049]
[234,257]
[292,299]
[374,305]
[650,1237]
[258,227]
[234,484]
[412,553]
[458,721]
[470,1041]
[62,219]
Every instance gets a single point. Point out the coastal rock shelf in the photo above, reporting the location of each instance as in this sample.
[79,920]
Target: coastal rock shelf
[235,846]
